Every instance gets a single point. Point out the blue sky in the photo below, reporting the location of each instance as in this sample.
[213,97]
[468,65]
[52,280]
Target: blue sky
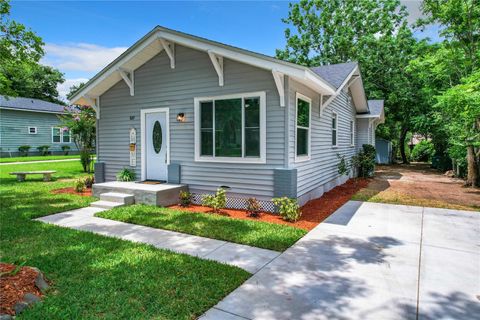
[82,37]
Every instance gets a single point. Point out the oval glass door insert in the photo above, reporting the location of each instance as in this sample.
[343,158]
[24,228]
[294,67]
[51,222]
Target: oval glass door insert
[157,137]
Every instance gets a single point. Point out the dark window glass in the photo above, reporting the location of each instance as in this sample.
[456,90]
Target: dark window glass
[157,137]
[334,130]
[252,127]
[302,142]
[228,128]
[56,135]
[206,130]
[303,113]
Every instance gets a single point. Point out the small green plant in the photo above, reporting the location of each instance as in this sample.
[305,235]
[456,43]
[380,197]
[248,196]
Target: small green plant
[343,168]
[364,161]
[423,151]
[79,185]
[24,150]
[89,181]
[86,160]
[43,150]
[126,175]
[216,201]
[185,198]
[288,208]
[66,150]
[253,207]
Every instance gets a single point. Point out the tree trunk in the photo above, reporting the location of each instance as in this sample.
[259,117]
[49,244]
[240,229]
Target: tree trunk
[472,167]
[401,145]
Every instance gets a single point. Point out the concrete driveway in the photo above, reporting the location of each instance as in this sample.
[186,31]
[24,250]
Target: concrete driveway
[370,261]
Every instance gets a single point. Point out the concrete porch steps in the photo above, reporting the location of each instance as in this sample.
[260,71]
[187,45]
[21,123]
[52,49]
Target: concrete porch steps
[123,198]
[106,204]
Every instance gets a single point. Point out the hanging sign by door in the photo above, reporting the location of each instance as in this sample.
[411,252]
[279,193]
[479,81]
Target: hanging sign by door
[133,147]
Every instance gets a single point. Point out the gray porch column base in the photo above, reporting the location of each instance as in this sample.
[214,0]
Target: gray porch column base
[99,168]
[285,183]
[174,173]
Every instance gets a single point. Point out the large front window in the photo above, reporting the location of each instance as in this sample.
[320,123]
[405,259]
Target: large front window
[60,135]
[230,128]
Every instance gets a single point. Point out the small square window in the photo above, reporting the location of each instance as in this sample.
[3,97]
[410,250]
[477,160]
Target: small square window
[32,130]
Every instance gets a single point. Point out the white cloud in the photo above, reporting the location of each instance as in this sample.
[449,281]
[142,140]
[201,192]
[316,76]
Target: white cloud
[85,57]
[64,88]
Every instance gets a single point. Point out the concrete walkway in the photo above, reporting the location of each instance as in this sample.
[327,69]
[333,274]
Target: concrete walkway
[370,261]
[249,258]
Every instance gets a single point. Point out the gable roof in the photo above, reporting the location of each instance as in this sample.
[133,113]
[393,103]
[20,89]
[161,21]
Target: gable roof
[335,74]
[30,104]
[154,42]
[375,111]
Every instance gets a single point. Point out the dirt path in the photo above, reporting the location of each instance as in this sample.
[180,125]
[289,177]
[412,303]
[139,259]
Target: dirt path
[418,184]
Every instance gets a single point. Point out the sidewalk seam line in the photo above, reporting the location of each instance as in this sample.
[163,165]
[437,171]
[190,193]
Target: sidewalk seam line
[237,315]
[420,265]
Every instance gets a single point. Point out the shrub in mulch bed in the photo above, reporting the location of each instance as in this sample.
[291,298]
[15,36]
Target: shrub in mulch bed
[71,190]
[313,212]
[20,287]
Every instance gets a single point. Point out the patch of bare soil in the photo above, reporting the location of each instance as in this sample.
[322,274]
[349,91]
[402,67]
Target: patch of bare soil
[314,212]
[14,284]
[418,184]
[71,190]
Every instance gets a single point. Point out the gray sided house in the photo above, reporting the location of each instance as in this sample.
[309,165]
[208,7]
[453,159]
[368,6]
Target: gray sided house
[33,122]
[188,110]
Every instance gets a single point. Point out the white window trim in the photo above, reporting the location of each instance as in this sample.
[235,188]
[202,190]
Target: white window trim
[334,114]
[263,129]
[352,133]
[61,135]
[309,155]
[36,130]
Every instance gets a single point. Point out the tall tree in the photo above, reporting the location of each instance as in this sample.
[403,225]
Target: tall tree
[373,32]
[73,89]
[448,70]
[21,73]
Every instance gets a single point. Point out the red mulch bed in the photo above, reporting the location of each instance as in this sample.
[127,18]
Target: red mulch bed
[13,288]
[313,212]
[71,190]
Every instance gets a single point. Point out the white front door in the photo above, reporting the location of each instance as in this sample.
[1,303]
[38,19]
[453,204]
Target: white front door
[156,145]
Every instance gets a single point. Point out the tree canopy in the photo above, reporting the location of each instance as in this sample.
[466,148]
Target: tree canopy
[21,73]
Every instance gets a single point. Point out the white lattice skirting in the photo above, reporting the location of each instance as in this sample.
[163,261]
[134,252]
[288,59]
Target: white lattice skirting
[236,203]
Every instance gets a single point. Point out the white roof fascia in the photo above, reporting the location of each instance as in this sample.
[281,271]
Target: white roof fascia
[29,110]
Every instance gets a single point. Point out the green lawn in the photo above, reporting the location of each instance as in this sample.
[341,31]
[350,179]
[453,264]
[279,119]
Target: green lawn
[38,158]
[254,233]
[96,277]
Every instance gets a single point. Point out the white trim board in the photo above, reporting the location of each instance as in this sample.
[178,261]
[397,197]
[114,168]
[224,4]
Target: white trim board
[143,113]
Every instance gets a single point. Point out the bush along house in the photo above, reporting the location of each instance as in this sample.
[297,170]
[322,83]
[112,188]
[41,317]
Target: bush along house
[186,110]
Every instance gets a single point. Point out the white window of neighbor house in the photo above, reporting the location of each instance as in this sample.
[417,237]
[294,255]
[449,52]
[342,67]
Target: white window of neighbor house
[32,130]
[231,128]
[60,135]
[302,124]
[352,133]
[334,129]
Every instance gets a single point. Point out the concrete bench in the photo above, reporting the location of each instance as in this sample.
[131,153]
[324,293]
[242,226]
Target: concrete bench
[47,175]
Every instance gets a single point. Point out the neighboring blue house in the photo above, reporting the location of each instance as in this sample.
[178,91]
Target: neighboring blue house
[184,109]
[32,122]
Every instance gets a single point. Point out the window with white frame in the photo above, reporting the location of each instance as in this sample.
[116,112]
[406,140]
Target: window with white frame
[231,128]
[352,133]
[334,129]
[60,135]
[32,130]
[303,126]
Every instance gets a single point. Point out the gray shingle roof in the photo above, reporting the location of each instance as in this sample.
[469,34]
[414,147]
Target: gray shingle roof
[375,107]
[335,74]
[30,104]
